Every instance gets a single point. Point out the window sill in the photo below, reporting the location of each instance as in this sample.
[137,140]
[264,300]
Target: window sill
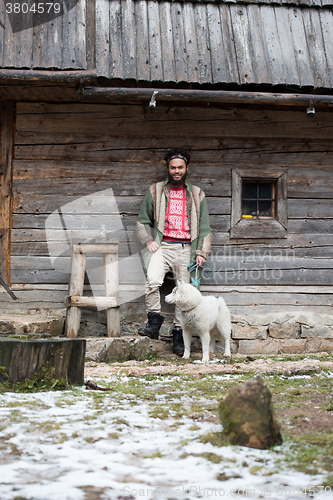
[258,228]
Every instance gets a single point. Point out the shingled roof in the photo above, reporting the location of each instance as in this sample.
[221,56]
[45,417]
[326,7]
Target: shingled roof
[264,42]
[216,42]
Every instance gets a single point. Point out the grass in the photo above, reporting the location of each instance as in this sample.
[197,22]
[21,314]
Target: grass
[43,380]
[182,397]
[211,457]
[310,453]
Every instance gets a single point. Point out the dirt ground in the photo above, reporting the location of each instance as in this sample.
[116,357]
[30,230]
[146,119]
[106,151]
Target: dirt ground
[308,415]
[166,366]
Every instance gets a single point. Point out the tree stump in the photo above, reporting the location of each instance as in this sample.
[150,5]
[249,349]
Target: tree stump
[21,359]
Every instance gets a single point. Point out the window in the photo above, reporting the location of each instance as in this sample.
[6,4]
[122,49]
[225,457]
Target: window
[258,198]
[259,203]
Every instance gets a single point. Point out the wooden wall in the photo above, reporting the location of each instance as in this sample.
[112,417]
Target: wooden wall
[67,151]
[6,147]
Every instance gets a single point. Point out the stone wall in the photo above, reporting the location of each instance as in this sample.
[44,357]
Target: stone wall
[270,334]
[282,334]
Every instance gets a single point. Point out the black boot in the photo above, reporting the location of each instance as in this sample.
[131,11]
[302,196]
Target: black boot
[153,326]
[177,341]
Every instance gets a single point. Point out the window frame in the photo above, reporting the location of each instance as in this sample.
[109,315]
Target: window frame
[261,227]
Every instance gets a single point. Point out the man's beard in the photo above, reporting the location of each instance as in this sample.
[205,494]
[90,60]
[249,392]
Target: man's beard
[179,182]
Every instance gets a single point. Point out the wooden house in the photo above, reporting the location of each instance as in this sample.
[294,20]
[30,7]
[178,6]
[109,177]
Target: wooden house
[93,95]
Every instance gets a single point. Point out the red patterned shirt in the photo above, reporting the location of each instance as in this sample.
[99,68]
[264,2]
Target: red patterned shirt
[176,221]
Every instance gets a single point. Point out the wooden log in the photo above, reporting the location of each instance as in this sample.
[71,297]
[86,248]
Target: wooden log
[111,283]
[128,123]
[76,282]
[226,96]
[20,75]
[101,302]
[62,358]
[105,248]
[32,91]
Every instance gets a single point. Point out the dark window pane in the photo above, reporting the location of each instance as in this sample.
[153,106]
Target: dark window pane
[249,190]
[265,190]
[249,207]
[265,209]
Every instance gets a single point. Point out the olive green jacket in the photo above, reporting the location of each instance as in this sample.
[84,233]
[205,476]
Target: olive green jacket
[151,219]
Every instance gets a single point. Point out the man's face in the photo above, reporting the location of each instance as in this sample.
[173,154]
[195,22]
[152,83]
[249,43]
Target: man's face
[177,171]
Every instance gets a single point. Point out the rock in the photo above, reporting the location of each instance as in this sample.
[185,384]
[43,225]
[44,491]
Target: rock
[220,349]
[30,324]
[119,349]
[293,346]
[248,332]
[247,417]
[284,330]
[92,329]
[269,346]
[319,344]
[261,319]
[319,330]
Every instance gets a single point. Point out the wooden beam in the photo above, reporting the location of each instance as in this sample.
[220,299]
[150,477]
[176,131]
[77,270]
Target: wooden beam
[84,301]
[6,147]
[222,96]
[22,75]
[106,248]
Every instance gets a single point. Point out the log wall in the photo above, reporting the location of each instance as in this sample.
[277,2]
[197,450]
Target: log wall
[6,147]
[67,151]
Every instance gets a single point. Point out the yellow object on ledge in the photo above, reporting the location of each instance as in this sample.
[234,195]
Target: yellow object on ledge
[247,216]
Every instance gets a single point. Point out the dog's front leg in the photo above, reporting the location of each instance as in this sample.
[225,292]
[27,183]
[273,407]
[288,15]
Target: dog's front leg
[187,335]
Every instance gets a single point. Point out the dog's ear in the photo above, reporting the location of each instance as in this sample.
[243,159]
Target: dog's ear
[179,282]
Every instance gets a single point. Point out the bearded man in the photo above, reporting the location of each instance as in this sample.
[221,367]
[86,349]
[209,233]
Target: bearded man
[174,225]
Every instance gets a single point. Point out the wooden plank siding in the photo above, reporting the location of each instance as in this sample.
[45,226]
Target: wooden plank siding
[59,43]
[67,151]
[215,42]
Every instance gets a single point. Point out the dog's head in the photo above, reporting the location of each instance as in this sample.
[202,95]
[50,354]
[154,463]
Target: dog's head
[184,296]
[172,297]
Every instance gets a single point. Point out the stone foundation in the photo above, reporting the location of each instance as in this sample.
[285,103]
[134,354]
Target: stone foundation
[270,334]
[283,333]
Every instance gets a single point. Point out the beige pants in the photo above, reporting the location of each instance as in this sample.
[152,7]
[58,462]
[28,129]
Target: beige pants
[170,256]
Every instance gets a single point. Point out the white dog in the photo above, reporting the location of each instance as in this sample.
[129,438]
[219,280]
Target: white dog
[207,316]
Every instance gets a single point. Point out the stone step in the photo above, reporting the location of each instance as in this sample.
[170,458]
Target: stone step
[124,348]
[30,324]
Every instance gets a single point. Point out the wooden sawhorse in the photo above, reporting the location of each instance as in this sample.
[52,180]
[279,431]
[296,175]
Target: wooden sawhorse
[75,301]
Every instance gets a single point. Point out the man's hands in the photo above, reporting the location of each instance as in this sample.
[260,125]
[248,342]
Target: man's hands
[152,246]
[200,260]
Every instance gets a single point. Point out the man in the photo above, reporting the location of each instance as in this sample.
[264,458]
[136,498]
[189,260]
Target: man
[174,225]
